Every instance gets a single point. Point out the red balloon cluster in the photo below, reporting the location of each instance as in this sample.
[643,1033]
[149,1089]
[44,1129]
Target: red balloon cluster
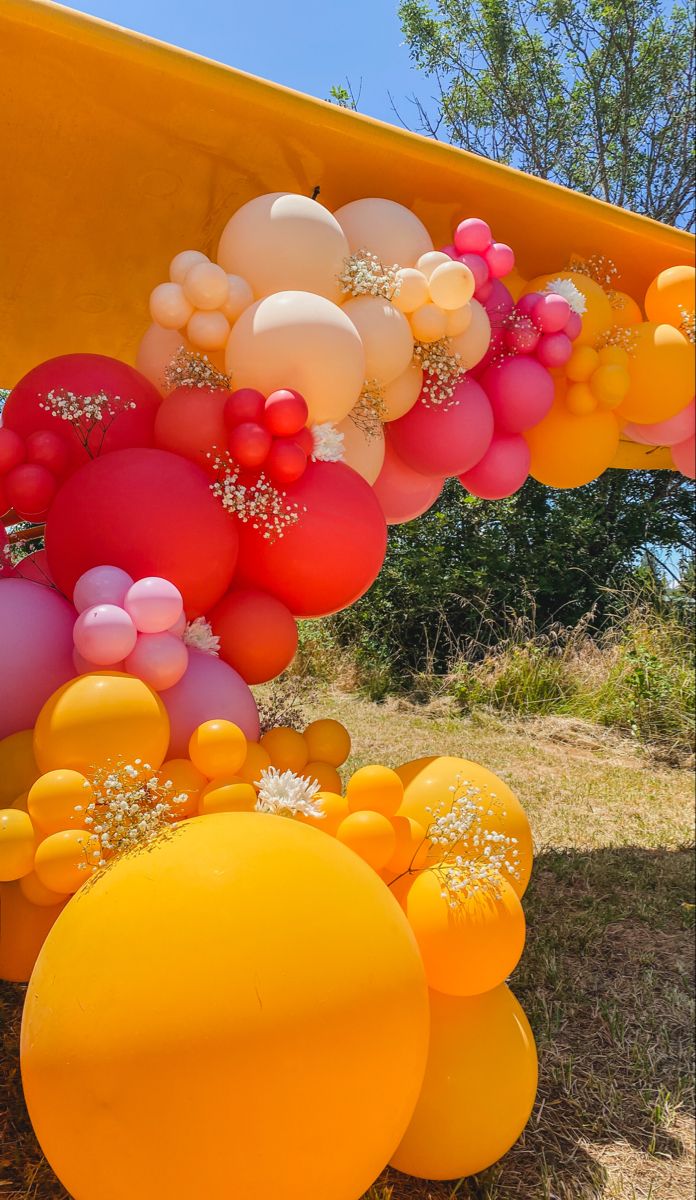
[31,470]
[269,433]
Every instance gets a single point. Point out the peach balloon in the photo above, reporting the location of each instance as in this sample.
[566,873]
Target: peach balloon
[401,394]
[385,228]
[661,367]
[671,295]
[458,320]
[362,451]
[664,433]
[169,306]
[282,242]
[206,285]
[474,342]
[428,263]
[451,285]
[429,323]
[239,297]
[385,334]
[182,263]
[157,348]
[413,290]
[301,341]
[208,330]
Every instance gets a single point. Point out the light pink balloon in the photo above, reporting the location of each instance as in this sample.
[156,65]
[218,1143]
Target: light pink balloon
[101,585]
[35,567]
[678,428]
[209,690]
[160,659]
[104,634]
[36,644]
[179,626]
[403,494]
[502,470]
[445,439]
[684,457]
[520,391]
[84,667]
[154,604]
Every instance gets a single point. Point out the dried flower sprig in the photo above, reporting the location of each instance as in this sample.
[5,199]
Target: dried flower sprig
[286,794]
[188,368]
[259,503]
[623,336]
[327,443]
[599,267]
[442,371]
[687,325]
[364,274]
[86,413]
[370,411]
[199,635]
[129,805]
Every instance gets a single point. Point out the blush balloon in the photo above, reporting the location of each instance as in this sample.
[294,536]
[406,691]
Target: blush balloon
[190,421]
[258,634]
[684,457]
[101,585]
[104,634]
[520,391]
[159,659]
[35,650]
[445,440]
[502,470]
[403,493]
[153,604]
[678,428]
[209,690]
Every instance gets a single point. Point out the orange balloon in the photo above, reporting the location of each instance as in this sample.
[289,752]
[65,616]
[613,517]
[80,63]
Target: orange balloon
[625,311]
[64,861]
[324,774]
[58,800]
[257,632]
[671,296]
[23,929]
[568,450]
[257,760]
[470,943]
[17,844]
[411,849]
[376,788]
[217,748]
[369,834]
[327,741]
[36,892]
[661,369]
[186,780]
[229,794]
[287,748]
[18,768]
[334,808]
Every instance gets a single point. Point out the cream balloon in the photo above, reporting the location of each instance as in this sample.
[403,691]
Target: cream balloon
[452,285]
[169,307]
[401,395]
[385,334]
[239,297]
[281,242]
[182,263]
[364,452]
[299,340]
[429,323]
[392,232]
[474,342]
[428,263]
[208,330]
[157,348]
[458,320]
[413,290]
[206,285]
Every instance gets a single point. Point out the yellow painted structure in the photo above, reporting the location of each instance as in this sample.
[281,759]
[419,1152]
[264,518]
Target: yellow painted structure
[118,151]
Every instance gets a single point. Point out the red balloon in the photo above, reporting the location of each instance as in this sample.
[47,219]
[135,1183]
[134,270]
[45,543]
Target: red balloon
[6,568]
[445,440]
[86,375]
[12,450]
[246,404]
[150,513]
[4,502]
[331,555]
[190,421]
[285,413]
[520,391]
[258,634]
[249,444]
[286,461]
[34,567]
[30,488]
[305,440]
[49,450]
[403,493]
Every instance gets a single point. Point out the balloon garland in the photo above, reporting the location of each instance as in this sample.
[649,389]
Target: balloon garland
[321,966]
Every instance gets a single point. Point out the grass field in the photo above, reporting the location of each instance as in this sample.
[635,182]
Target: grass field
[606,978]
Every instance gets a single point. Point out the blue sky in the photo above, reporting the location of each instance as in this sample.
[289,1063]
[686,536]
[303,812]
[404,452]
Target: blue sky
[306,44]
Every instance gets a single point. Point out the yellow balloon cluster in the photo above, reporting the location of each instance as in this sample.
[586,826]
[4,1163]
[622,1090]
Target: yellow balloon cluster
[598,379]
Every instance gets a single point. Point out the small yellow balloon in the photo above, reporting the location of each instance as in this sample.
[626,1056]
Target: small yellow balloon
[671,296]
[186,780]
[58,800]
[64,861]
[370,835]
[413,290]
[36,892]
[17,844]
[324,774]
[327,741]
[217,748]
[376,788]
[458,320]
[580,399]
[333,808]
[411,849]
[609,384]
[479,1086]
[583,361]
[228,794]
[451,285]
[287,749]
[661,370]
[18,768]
[625,311]
[257,760]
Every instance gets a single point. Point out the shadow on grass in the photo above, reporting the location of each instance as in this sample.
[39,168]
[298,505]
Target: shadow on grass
[606,981]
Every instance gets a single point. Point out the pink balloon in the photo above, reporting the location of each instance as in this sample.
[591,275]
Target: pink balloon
[154,604]
[84,667]
[403,494]
[36,644]
[445,439]
[523,337]
[554,349]
[520,391]
[159,658]
[478,268]
[101,585]
[684,457]
[104,634]
[35,567]
[678,428]
[500,259]
[472,234]
[209,690]
[551,312]
[179,626]
[502,470]
[499,303]
[573,327]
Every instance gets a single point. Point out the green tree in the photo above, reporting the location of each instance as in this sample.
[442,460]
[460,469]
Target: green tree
[593,94]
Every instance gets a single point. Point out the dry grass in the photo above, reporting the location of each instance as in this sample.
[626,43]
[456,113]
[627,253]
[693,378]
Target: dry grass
[606,978]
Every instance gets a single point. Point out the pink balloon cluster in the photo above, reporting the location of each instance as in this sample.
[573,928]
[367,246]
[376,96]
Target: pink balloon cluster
[487,260]
[130,625]
[544,325]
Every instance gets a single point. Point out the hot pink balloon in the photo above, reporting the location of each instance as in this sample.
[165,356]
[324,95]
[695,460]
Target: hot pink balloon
[551,312]
[684,457]
[35,567]
[154,604]
[678,428]
[554,349]
[472,234]
[445,439]
[160,659]
[520,391]
[101,585]
[500,259]
[502,470]
[104,634]
[36,644]
[499,303]
[403,494]
[209,690]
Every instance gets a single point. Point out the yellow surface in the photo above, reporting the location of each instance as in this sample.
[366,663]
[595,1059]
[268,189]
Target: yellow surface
[119,151]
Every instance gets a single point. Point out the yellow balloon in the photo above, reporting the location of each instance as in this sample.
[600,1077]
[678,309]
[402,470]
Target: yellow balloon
[385,334]
[262,1026]
[58,800]
[411,849]
[97,719]
[625,311]
[301,341]
[458,320]
[452,285]
[18,768]
[387,229]
[376,788]
[229,794]
[186,780]
[324,774]
[23,929]
[327,741]
[479,1086]
[474,342]
[64,861]
[370,835]
[36,892]
[363,451]
[568,450]
[401,395]
[661,369]
[470,942]
[283,241]
[598,315]
[427,793]
[671,296]
[257,760]
[217,748]
[287,749]
[17,844]
[334,809]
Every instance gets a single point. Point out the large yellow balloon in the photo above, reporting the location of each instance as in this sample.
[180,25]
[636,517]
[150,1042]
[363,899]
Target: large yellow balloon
[478,1090]
[661,369]
[18,768]
[474,342]
[385,334]
[671,296]
[246,1044]
[23,929]
[284,241]
[363,451]
[385,228]
[427,783]
[598,315]
[97,719]
[302,341]
[568,450]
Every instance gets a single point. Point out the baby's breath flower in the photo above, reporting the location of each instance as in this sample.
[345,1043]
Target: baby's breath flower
[327,442]
[130,805]
[442,371]
[370,410]
[618,335]
[364,274]
[287,794]
[687,325]
[260,504]
[189,369]
[199,635]
[599,267]
[86,413]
